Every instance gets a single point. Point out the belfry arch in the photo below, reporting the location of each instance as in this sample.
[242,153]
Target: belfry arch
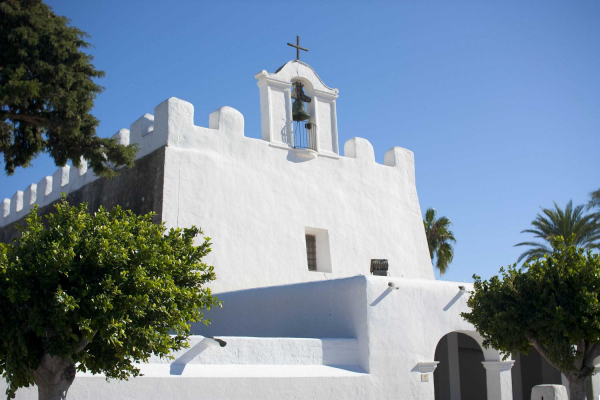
[276,107]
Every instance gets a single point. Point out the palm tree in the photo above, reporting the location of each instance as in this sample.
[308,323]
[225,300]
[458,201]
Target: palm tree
[439,237]
[570,222]
[594,201]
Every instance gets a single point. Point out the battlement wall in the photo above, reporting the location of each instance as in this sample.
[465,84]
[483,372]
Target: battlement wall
[171,125]
[139,189]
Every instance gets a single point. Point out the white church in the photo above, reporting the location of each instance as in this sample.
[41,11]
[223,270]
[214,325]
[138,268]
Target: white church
[320,253]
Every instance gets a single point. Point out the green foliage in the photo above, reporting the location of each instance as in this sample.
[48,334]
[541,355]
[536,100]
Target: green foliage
[553,304]
[439,237]
[47,91]
[111,278]
[565,223]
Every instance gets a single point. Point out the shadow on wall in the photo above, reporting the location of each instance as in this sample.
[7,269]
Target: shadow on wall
[179,364]
[322,309]
[381,296]
[454,300]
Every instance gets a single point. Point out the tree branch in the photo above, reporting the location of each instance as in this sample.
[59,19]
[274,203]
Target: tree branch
[24,117]
[593,352]
[543,351]
[81,345]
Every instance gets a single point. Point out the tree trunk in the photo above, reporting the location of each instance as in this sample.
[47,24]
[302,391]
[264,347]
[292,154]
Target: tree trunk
[54,377]
[577,388]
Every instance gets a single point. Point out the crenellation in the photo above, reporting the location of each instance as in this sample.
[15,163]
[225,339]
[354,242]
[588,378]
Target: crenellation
[142,133]
[122,137]
[404,161]
[141,127]
[29,197]
[227,120]
[16,204]
[173,119]
[60,179]
[5,211]
[173,125]
[67,179]
[361,149]
[44,188]
[401,158]
[78,176]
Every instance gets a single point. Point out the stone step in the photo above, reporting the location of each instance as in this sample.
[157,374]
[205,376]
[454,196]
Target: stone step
[245,371]
[267,351]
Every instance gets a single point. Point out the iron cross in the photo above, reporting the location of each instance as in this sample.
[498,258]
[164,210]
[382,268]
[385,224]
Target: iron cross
[298,48]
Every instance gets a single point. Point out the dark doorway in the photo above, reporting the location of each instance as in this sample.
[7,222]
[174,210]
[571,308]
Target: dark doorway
[459,374]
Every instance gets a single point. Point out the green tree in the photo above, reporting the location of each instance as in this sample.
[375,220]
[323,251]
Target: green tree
[552,305]
[439,239]
[96,292]
[47,91]
[557,222]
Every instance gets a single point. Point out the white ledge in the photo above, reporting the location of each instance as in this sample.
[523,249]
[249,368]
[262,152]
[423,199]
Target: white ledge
[499,365]
[245,371]
[426,366]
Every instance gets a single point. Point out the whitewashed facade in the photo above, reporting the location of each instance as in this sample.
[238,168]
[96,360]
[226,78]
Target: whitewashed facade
[334,333]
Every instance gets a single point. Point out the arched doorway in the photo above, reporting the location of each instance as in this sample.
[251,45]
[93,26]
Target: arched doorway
[460,374]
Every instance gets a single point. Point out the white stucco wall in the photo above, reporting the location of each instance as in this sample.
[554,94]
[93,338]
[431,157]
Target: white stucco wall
[396,329]
[393,334]
[293,333]
[257,200]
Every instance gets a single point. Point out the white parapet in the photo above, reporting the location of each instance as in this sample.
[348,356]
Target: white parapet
[29,197]
[173,119]
[227,120]
[15,207]
[141,127]
[44,189]
[78,176]
[60,179]
[361,149]
[122,137]
[174,126]
[142,134]
[16,202]
[401,158]
[5,211]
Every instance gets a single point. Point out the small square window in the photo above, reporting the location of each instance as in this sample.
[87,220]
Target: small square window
[311,252]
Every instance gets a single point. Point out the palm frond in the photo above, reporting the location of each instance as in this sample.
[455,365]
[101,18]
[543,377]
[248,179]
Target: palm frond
[532,255]
[568,222]
[594,200]
[445,255]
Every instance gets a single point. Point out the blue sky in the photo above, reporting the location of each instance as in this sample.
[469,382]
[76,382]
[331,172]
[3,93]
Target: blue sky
[499,100]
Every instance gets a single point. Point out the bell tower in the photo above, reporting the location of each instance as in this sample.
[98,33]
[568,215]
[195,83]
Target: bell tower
[298,110]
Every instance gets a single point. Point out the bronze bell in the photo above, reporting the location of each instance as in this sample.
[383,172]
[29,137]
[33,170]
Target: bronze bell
[298,111]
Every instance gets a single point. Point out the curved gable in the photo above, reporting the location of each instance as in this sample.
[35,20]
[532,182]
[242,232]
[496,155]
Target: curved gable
[298,69]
